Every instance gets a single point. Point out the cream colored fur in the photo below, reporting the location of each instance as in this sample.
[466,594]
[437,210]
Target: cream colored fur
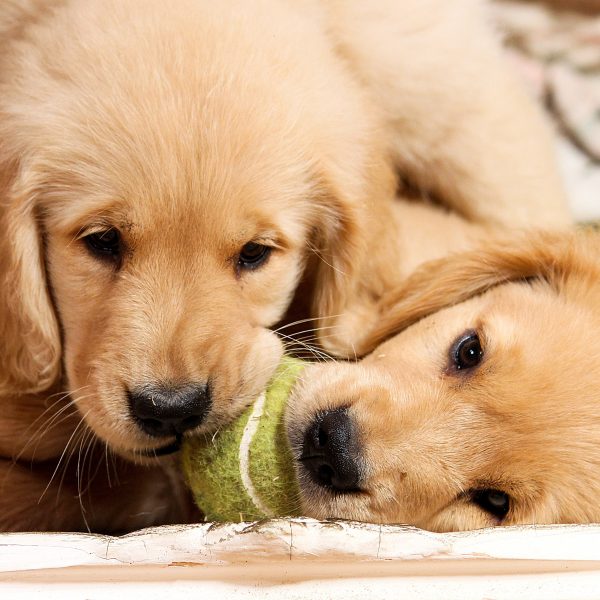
[192,128]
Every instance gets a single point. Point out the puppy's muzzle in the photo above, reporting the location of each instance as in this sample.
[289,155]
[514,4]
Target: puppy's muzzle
[330,451]
[163,411]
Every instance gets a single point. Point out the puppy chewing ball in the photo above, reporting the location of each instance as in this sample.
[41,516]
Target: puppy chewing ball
[245,471]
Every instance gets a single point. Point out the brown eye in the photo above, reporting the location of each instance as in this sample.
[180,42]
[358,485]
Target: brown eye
[467,352]
[253,255]
[495,502]
[104,244]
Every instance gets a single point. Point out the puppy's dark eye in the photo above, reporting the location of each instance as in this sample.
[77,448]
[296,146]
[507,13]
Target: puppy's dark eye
[495,502]
[467,352]
[104,244]
[253,255]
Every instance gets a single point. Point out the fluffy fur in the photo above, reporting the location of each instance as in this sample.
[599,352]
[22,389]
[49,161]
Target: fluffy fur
[192,128]
[525,421]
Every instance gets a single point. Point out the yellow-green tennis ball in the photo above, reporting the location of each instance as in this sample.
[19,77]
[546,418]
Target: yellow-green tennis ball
[245,472]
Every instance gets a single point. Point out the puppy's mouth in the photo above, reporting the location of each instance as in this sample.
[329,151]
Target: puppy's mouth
[170,448]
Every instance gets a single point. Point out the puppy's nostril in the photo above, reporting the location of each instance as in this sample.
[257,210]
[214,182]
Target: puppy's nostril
[191,422]
[323,437]
[164,410]
[325,474]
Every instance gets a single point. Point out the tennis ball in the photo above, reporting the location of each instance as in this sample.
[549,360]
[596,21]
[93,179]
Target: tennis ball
[245,471]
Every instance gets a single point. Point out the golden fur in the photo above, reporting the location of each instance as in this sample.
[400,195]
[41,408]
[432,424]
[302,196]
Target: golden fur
[192,128]
[525,421]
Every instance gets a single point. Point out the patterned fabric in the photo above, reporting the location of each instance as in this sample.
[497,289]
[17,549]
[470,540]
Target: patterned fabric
[558,53]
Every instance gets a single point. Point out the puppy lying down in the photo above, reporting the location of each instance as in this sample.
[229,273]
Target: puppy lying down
[480,409]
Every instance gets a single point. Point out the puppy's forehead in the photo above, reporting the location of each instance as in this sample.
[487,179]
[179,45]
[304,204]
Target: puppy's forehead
[243,209]
[202,165]
[509,319]
[538,349]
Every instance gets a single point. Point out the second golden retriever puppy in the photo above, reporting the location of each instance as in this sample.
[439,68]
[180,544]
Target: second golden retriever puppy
[482,409]
[171,172]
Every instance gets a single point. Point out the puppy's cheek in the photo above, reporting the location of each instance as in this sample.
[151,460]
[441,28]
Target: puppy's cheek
[106,413]
[102,405]
[257,363]
[460,516]
[271,296]
[260,363]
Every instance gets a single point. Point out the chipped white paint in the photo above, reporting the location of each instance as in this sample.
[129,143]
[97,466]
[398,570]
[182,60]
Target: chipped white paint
[304,558]
[296,539]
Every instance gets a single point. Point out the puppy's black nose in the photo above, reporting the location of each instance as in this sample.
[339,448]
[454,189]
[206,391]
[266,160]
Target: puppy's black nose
[330,451]
[164,410]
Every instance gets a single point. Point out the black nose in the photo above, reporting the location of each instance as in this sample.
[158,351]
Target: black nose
[163,410]
[330,452]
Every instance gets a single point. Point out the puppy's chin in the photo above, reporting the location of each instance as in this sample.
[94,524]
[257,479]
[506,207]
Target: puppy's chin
[163,453]
[459,515]
[323,503]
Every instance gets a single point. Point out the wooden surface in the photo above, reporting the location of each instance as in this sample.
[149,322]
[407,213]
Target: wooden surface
[303,558]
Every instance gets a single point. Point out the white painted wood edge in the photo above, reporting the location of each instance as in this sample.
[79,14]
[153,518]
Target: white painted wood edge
[294,539]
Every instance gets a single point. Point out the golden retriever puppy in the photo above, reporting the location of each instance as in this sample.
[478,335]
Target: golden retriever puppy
[481,410]
[170,173]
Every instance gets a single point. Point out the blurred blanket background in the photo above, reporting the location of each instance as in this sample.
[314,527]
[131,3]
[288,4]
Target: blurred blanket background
[555,44]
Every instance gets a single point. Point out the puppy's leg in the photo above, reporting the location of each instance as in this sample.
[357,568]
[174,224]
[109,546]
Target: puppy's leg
[460,124]
[26,504]
[100,493]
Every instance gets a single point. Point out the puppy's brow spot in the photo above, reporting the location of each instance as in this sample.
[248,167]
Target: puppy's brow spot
[381,356]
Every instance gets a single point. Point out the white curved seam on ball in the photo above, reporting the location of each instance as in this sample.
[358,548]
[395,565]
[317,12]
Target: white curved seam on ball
[244,455]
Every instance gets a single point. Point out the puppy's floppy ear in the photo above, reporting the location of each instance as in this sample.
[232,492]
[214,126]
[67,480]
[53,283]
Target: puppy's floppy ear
[560,259]
[347,213]
[340,246]
[29,336]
